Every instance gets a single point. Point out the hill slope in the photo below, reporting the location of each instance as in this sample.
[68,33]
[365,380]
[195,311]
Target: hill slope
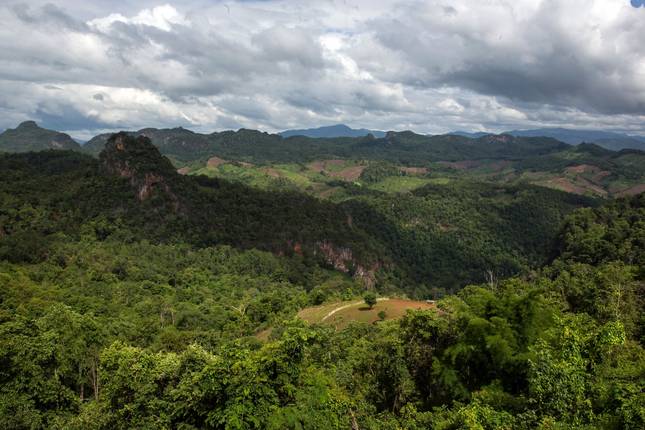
[29,137]
[133,186]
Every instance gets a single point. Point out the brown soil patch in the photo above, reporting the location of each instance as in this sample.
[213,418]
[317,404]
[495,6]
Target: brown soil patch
[632,191]
[324,166]
[183,170]
[581,186]
[581,168]
[349,174]
[598,177]
[592,187]
[461,165]
[565,185]
[215,162]
[316,166]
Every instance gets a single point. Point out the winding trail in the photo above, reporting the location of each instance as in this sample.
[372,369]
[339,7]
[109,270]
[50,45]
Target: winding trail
[349,305]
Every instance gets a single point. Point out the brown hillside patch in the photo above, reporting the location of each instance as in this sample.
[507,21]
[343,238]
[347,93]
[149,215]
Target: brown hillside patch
[580,186]
[565,185]
[591,186]
[461,165]
[598,177]
[325,165]
[582,168]
[183,170]
[414,170]
[331,168]
[214,162]
[632,191]
[316,166]
[349,174]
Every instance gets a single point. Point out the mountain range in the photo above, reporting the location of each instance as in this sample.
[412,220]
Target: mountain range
[28,136]
[338,130]
[606,139]
[316,165]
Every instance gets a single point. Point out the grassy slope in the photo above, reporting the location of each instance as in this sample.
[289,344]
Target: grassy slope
[357,311]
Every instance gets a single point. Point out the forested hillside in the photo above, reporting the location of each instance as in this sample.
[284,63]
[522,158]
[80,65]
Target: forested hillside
[133,188]
[29,137]
[108,330]
[136,297]
[439,238]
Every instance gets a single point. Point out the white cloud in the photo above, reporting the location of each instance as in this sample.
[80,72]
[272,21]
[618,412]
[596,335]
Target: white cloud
[431,66]
[161,17]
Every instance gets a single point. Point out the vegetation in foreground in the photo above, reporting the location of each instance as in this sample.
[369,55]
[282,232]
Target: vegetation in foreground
[106,334]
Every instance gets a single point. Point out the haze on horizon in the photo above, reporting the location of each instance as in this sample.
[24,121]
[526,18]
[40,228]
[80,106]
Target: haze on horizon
[84,67]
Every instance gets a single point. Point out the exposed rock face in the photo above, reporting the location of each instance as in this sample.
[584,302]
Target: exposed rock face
[343,260]
[139,161]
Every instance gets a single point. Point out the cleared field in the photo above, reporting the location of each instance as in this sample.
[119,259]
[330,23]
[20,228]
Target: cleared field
[342,313]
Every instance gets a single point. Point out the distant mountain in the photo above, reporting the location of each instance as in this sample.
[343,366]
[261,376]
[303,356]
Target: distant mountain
[338,130]
[606,139]
[475,135]
[29,137]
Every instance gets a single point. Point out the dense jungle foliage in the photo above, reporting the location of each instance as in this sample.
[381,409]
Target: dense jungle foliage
[132,297]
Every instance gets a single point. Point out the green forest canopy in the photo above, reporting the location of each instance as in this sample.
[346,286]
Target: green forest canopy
[131,298]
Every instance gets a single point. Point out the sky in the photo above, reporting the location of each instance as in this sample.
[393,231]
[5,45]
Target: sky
[85,67]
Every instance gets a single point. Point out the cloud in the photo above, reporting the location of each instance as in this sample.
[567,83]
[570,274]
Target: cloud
[431,66]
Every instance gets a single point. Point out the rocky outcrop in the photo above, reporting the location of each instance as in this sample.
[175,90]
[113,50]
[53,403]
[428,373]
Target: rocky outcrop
[343,260]
[136,159]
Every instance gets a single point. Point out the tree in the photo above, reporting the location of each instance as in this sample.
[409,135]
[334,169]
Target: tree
[370,299]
